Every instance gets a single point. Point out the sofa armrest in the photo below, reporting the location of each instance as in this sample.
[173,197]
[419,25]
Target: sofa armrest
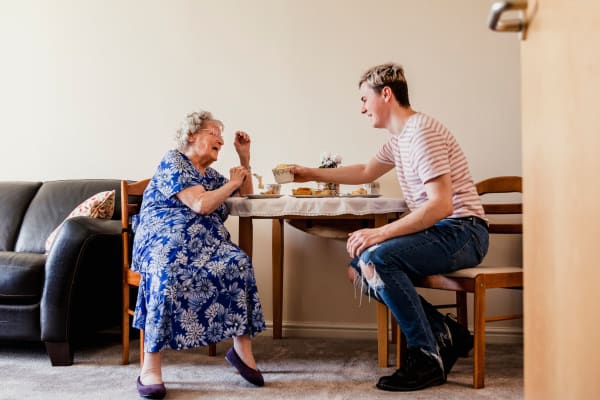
[82,286]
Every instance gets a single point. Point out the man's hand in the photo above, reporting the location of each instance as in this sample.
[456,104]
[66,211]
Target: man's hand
[362,239]
[301,174]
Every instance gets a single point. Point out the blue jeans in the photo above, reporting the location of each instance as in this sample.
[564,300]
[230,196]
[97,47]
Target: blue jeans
[449,245]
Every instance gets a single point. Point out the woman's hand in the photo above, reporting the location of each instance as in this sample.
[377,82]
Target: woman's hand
[241,143]
[359,241]
[238,175]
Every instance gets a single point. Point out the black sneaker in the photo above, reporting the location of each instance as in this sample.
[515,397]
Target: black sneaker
[460,344]
[419,371]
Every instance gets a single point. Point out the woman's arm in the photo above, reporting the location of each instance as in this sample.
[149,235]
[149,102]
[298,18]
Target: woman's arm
[247,187]
[351,174]
[241,143]
[205,202]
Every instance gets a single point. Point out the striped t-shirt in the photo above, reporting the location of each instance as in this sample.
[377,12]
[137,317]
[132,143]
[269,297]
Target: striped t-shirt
[425,149]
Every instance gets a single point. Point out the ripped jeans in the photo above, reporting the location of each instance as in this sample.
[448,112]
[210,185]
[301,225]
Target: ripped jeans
[449,245]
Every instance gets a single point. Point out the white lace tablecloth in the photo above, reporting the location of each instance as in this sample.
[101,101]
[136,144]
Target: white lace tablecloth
[319,206]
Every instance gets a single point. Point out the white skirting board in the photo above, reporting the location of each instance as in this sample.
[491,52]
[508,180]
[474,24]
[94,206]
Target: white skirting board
[493,334]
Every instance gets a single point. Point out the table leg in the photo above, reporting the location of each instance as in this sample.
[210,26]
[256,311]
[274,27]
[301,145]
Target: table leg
[277,277]
[245,235]
[382,335]
[382,316]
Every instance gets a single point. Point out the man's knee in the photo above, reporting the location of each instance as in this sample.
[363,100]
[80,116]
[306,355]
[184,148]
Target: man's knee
[352,274]
[370,274]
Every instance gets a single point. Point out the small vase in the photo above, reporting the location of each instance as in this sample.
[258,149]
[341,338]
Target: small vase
[333,187]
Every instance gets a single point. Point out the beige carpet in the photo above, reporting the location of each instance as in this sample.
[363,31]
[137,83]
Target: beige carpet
[294,368]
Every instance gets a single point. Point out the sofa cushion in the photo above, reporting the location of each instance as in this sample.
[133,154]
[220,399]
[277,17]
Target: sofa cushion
[21,277]
[52,204]
[14,199]
[101,205]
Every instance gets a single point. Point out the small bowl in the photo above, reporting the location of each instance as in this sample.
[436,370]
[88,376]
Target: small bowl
[283,175]
[271,188]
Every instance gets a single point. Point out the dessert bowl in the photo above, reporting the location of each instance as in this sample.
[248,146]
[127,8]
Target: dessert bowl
[283,174]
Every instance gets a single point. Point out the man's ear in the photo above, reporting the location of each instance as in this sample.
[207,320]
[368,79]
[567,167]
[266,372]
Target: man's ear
[386,92]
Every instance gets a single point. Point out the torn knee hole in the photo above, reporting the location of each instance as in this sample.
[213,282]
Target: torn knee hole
[368,271]
[370,275]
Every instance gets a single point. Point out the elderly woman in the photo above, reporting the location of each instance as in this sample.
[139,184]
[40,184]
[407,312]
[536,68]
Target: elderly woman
[197,287]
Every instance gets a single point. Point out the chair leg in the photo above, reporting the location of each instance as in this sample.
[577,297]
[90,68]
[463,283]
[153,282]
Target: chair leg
[479,328]
[212,350]
[461,309]
[400,346]
[125,345]
[395,328]
[125,326]
[382,335]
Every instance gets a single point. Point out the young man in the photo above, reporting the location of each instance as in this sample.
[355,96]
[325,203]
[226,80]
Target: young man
[446,229]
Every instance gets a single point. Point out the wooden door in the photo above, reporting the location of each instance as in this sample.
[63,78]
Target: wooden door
[561,195]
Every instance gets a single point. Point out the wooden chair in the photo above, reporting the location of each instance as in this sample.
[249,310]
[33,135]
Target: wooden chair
[131,201]
[475,280]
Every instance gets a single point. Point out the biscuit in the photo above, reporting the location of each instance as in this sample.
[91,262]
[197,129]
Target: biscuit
[303,191]
[360,191]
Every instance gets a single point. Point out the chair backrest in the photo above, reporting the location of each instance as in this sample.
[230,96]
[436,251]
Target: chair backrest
[131,202]
[502,184]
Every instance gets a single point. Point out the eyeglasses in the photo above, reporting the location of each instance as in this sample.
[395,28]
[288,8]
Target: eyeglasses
[213,132]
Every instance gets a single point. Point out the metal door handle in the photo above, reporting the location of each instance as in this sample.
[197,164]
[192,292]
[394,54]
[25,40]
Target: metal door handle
[508,25]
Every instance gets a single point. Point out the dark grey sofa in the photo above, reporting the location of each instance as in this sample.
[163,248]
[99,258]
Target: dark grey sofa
[75,289]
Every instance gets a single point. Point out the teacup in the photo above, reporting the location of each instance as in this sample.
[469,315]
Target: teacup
[372,187]
[272,188]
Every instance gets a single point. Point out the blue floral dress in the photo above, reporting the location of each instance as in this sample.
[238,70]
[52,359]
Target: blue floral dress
[197,286]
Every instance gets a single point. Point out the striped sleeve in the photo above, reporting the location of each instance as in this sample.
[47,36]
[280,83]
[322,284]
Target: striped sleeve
[429,154]
[385,154]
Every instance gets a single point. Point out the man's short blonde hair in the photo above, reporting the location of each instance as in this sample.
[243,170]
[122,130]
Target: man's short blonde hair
[391,75]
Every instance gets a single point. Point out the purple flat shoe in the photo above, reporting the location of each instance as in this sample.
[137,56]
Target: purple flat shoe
[251,375]
[157,391]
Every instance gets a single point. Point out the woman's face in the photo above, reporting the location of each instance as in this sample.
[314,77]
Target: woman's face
[373,106]
[207,142]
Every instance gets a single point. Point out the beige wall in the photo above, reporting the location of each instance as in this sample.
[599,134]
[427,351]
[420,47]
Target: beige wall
[86,84]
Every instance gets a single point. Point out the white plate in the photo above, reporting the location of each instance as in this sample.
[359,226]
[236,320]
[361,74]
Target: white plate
[361,195]
[313,196]
[263,196]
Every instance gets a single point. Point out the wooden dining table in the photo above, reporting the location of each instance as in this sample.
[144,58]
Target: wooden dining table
[330,217]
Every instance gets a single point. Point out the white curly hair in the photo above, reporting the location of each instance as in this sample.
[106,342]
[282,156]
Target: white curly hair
[191,124]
